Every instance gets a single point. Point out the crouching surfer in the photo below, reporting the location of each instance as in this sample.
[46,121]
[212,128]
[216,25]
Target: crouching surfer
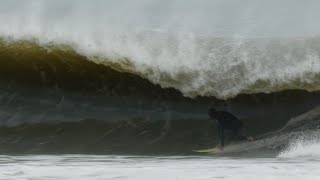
[227,121]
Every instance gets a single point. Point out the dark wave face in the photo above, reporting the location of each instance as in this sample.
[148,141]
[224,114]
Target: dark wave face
[53,100]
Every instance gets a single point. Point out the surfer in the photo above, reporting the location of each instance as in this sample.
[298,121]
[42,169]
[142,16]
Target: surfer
[227,121]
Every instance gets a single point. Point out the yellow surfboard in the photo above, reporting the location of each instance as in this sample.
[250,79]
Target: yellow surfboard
[217,149]
[209,150]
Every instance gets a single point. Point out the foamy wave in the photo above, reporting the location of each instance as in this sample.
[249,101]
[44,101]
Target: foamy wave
[175,50]
[303,147]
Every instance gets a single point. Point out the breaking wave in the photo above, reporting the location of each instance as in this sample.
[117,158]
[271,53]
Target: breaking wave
[308,148]
[106,77]
[255,66]
[221,58]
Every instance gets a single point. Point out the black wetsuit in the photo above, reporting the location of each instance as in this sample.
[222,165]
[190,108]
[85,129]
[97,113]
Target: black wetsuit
[226,120]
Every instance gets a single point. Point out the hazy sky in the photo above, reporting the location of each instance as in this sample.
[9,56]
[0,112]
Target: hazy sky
[216,17]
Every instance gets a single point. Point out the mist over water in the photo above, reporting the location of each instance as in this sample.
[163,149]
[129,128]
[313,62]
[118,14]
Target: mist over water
[247,18]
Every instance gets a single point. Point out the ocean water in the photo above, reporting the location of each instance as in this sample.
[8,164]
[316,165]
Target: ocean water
[300,161]
[119,89]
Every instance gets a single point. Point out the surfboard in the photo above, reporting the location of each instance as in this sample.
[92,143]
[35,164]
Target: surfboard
[209,150]
[216,149]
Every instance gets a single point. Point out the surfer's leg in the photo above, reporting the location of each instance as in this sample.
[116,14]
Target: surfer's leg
[241,135]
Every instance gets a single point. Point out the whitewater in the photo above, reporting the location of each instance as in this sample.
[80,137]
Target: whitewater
[132,167]
[208,48]
[300,161]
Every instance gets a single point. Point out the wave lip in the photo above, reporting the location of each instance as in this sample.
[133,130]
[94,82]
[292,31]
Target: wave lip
[234,53]
[221,68]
